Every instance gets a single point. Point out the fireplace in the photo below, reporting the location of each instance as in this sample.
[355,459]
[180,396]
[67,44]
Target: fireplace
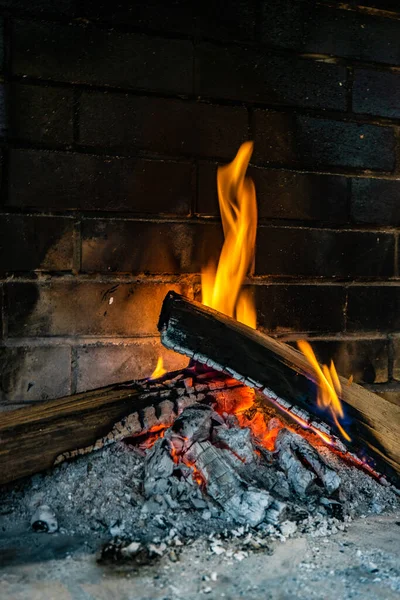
[115,119]
[114,124]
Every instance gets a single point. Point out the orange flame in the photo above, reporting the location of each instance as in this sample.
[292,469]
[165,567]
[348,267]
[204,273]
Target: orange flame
[329,387]
[221,286]
[159,371]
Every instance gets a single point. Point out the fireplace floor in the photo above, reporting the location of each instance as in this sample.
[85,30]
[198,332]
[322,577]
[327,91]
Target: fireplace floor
[362,562]
[191,551]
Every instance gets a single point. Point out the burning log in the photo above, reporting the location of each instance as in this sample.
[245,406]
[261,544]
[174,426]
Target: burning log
[283,375]
[34,438]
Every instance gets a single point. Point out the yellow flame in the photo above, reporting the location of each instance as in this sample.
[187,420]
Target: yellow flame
[329,387]
[221,285]
[159,371]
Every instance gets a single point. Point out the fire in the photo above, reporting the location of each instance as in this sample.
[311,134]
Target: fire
[159,371]
[221,285]
[329,387]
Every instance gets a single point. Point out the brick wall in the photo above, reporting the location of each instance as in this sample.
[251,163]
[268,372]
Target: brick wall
[114,117]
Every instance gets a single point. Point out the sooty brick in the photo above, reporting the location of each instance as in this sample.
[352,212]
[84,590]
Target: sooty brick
[365,360]
[1,45]
[321,142]
[122,362]
[66,180]
[376,93]
[209,18]
[166,126]
[300,308]
[69,308]
[374,308]
[390,5]
[30,243]
[129,246]
[63,7]
[1,311]
[303,26]
[41,114]
[34,373]
[238,73]
[324,253]
[78,54]
[283,194]
[375,201]
[396,361]
[3,113]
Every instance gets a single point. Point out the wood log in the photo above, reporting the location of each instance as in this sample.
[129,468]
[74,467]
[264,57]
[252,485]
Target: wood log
[32,437]
[283,375]
[37,437]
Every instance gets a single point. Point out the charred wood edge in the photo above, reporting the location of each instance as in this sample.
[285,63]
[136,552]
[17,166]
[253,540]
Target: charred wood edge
[32,438]
[283,376]
[161,407]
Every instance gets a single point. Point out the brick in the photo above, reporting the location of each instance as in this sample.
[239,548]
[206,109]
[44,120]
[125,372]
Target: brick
[35,243]
[41,114]
[238,73]
[41,6]
[122,362]
[396,359]
[324,253]
[390,5]
[320,142]
[1,312]
[66,180]
[300,308]
[210,18]
[375,201]
[172,127]
[376,93]
[302,26]
[282,194]
[3,114]
[34,373]
[373,308]
[136,247]
[391,396]
[1,45]
[365,360]
[78,54]
[70,308]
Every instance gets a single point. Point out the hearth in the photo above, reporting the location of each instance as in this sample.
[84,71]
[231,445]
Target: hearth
[199,353]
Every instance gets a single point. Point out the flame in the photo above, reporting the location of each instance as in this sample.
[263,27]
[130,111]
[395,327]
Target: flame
[159,371]
[221,285]
[329,387]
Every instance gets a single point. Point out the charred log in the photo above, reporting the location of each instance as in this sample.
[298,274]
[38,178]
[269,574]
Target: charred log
[283,376]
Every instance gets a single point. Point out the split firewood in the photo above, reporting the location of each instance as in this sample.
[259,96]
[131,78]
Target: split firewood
[34,437]
[284,377]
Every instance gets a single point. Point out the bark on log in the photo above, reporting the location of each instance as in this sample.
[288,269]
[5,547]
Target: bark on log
[282,374]
[32,439]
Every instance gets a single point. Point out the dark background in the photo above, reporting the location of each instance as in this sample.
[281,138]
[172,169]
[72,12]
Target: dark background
[114,117]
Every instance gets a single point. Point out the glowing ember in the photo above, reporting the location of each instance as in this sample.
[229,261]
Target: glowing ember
[329,387]
[221,285]
[159,371]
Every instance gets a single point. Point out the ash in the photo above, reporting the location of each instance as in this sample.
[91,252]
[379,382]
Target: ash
[143,499]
